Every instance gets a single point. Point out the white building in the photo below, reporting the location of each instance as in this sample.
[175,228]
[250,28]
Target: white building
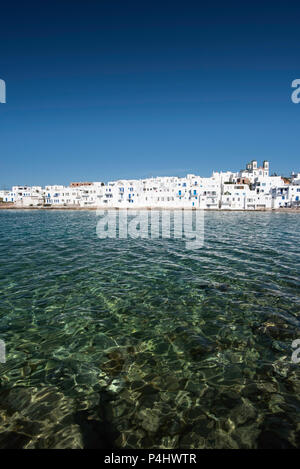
[286,195]
[249,189]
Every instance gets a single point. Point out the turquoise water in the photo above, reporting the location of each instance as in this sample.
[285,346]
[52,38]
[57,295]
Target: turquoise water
[141,343]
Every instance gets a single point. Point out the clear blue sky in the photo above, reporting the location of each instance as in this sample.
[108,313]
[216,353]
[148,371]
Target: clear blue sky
[100,90]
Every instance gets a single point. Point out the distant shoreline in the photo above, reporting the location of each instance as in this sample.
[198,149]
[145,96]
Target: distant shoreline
[75,208]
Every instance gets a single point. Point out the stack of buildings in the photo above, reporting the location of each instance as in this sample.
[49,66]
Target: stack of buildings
[249,189]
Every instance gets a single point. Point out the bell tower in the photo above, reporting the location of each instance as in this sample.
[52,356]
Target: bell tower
[266,168]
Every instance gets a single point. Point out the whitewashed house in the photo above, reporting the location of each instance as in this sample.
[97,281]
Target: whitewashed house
[249,189]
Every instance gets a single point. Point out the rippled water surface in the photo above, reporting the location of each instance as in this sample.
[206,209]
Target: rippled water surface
[141,343]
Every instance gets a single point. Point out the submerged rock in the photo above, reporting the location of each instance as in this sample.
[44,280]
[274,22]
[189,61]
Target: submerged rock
[277,328]
[196,344]
[114,366]
[243,412]
[247,436]
[192,441]
[200,345]
[149,419]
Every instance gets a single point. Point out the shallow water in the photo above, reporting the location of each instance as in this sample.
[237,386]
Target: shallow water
[141,343]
